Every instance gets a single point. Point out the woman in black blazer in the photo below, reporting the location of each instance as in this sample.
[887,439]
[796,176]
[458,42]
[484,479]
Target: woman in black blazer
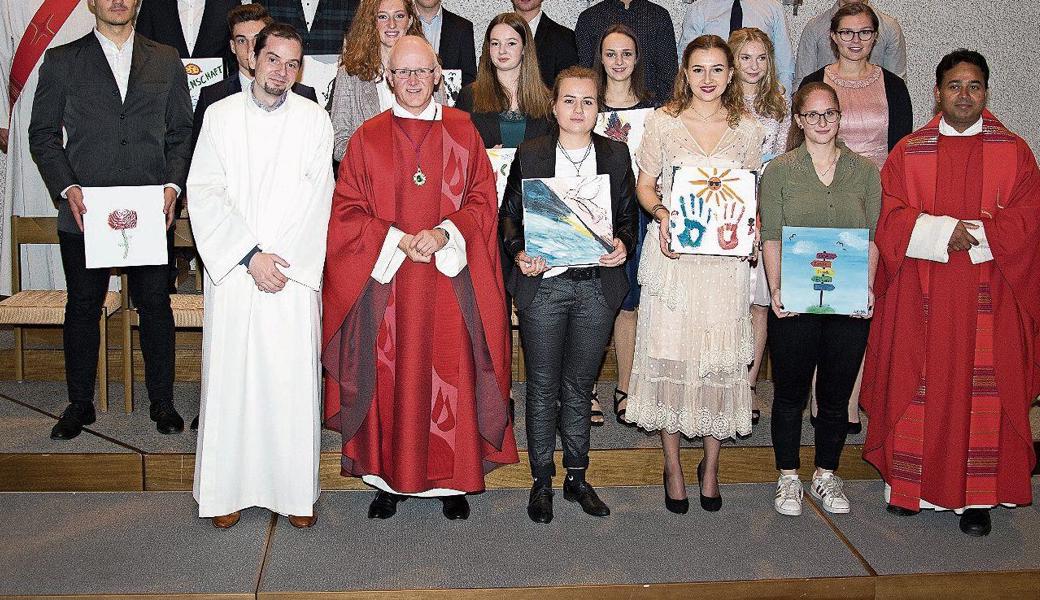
[566,314]
[508,102]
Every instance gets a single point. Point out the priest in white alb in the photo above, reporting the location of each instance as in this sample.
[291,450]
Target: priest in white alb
[27,29]
[261,187]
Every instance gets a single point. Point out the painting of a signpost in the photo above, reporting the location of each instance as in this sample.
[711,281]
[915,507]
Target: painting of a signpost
[567,220]
[824,270]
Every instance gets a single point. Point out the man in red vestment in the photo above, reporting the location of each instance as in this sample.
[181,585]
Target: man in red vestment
[415,342]
[952,361]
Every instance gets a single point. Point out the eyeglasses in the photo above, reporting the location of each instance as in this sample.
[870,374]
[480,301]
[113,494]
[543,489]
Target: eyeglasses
[812,118]
[404,74]
[863,35]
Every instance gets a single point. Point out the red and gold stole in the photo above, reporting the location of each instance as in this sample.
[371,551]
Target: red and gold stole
[984,429]
[44,25]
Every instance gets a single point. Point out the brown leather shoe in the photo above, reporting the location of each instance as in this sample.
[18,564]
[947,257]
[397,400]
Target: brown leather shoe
[302,522]
[226,521]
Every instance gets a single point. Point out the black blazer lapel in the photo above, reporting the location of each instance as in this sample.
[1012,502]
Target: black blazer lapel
[171,18]
[138,62]
[95,59]
[213,27]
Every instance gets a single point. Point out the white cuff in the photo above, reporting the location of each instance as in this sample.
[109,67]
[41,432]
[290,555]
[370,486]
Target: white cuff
[390,257]
[931,237]
[176,188]
[451,259]
[981,253]
[65,192]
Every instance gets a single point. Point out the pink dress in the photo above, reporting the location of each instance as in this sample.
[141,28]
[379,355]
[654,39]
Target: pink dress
[864,112]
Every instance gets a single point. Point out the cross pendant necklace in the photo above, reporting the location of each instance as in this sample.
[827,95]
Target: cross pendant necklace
[419,178]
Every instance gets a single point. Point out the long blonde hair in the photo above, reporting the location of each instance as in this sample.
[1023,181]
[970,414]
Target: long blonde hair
[769,94]
[682,95]
[360,56]
[532,97]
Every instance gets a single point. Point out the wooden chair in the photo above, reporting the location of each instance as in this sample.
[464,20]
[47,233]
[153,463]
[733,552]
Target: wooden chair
[187,310]
[46,307]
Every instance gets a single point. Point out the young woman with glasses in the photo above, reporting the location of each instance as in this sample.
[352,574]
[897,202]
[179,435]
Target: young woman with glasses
[361,91]
[821,183]
[876,111]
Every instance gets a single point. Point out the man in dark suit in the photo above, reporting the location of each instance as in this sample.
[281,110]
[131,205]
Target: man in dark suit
[196,28]
[553,42]
[245,22]
[451,37]
[321,23]
[123,101]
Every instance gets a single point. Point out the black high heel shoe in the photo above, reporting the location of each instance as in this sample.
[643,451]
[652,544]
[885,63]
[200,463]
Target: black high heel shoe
[708,503]
[619,414]
[679,507]
[755,413]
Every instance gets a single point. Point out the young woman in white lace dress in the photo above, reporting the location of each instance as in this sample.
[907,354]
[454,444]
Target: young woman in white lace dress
[693,337]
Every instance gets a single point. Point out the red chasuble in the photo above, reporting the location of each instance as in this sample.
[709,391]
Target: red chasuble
[417,370]
[952,362]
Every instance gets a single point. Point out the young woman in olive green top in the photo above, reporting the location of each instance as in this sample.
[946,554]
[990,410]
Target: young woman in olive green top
[821,183]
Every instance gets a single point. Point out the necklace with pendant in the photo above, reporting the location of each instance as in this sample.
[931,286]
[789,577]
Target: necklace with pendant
[419,178]
[705,118]
[575,163]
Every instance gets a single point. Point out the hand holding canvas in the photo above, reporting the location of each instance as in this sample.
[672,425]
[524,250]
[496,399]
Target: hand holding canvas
[616,257]
[532,267]
[778,307]
[169,202]
[665,238]
[76,205]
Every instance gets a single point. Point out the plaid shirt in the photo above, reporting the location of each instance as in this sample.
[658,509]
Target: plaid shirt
[330,23]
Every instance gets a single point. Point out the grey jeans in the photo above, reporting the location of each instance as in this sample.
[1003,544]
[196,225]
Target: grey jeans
[564,333]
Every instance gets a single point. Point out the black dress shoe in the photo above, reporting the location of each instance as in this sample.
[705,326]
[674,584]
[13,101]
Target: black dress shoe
[708,503]
[585,495]
[195,423]
[899,511]
[855,428]
[72,421]
[455,507]
[976,522]
[384,505]
[679,507]
[539,506]
[167,421]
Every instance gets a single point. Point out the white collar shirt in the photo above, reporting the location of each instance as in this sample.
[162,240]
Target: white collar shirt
[533,23]
[191,20]
[947,130]
[310,11]
[119,60]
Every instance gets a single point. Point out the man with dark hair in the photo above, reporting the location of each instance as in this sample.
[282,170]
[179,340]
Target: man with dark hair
[245,22]
[414,340]
[321,23]
[261,188]
[451,37]
[123,101]
[952,363]
[553,42]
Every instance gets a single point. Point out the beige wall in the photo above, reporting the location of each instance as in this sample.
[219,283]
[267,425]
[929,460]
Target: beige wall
[1005,31]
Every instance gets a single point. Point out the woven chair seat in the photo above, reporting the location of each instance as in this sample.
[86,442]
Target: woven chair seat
[44,307]
[187,311]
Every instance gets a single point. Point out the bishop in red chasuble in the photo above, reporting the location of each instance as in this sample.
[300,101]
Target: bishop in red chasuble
[415,342]
[952,361]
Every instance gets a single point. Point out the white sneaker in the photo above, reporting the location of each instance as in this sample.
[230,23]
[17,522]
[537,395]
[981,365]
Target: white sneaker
[788,496]
[827,488]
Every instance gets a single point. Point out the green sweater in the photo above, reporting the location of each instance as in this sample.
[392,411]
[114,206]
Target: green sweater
[791,194]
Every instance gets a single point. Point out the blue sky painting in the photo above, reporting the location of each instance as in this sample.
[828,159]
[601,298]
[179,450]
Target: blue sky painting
[824,260]
[567,220]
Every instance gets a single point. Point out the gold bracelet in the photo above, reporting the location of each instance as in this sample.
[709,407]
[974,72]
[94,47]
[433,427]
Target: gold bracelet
[657,207]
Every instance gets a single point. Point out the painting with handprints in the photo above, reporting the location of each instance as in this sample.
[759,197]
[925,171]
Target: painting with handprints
[624,126]
[713,211]
[451,82]
[823,270]
[568,220]
[124,226]
[501,161]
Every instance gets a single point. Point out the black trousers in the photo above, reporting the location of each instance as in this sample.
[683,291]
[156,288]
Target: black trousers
[564,332]
[832,346]
[149,290]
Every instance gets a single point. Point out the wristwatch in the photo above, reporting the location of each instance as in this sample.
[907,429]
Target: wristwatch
[447,236]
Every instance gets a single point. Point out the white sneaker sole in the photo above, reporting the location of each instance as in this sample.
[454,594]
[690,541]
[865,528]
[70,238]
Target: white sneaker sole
[788,512]
[826,506]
